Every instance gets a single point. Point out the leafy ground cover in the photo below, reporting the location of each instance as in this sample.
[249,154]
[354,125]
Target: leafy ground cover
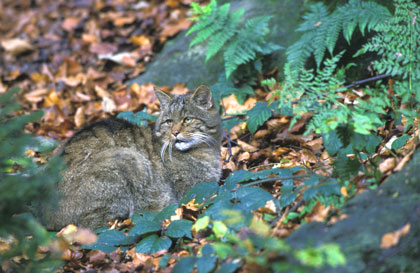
[71,60]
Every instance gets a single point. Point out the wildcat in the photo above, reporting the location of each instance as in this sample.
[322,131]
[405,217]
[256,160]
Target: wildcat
[115,168]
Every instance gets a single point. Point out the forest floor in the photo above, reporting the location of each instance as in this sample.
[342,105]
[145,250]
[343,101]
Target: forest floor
[71,59]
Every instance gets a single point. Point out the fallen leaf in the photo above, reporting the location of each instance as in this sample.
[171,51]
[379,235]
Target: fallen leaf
[247,147]
[16,46]
[96,256]
[141,40]
[79,117]
[116,58]
[37,95]
[171,29]
[102,48]
[387,165]
[70,23]
[391,239]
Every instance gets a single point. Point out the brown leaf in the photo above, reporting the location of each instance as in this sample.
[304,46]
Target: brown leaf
[391,239]
[89,38]
[129,61]
[16,46]
[102,48]
[37,95]
[387,165]
[141,40]
[96,256]
[244,156]
[247,147]
[261,134]
[308,156]
[171,29]
[79,117]
[70,23]
[121,21]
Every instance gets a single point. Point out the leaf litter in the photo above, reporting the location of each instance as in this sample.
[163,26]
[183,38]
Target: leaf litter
[71,60]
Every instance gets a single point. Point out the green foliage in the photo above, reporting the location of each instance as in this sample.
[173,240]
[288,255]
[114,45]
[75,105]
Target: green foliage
[22,184]
[225,31]
[140,118]
[322,28]
[259,114]
[398,43]
[230,250]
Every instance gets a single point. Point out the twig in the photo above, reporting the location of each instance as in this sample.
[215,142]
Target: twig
[292,209]
[368,80]
[275,178]
[229,143]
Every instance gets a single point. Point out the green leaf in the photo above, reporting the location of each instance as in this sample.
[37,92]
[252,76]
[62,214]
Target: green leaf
[206,264]
[253,197]
[166,213]
[145,226]
[153,244]
[229,267]
[219,229]
[229,123]
[223,250]
[185,265]
[332,142]
[107,241]
[287,195]
[179,229]
[334,256]
[163,262]
[200,192]
[399,142]
[259,114]
[201,223]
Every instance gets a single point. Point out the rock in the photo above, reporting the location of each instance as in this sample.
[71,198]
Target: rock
[374,217]
[177,63]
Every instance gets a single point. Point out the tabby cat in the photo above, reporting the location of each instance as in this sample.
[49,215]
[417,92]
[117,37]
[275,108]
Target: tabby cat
[115,168]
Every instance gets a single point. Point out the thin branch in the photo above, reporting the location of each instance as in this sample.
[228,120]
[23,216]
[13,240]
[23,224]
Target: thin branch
[229,143]
[368,80]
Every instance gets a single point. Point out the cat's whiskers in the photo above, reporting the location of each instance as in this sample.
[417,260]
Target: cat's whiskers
[204,138]
[171,144]
[163,150]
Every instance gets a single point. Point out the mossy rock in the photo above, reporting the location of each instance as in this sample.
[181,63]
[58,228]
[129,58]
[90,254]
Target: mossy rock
[371,215]
[177,63]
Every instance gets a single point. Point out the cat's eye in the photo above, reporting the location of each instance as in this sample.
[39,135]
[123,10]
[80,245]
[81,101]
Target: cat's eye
[188,120]
[168,121]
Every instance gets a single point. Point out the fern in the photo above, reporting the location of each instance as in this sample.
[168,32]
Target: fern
[225,31]
[398,43]
[321,29]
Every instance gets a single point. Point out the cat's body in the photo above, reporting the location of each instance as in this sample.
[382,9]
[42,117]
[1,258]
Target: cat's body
[115,168]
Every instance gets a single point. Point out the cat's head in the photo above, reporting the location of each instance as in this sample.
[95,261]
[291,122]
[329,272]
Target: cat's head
[187,121]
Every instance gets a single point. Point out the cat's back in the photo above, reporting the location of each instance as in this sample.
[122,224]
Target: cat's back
[102,135]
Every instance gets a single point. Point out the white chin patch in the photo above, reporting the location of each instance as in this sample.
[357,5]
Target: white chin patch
[183,146]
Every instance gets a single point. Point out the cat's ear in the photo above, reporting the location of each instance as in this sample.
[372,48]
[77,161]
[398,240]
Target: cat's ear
[163,97]
[202,97]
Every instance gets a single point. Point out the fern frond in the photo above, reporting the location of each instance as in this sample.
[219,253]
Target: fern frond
[242,43]
[321,29]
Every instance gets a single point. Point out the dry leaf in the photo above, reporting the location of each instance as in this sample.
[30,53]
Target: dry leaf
[391,239]
[171,29]
[141,40]
[79,117]
[247,147]
[387,165]
[108,105]
[70,23]
[37,95]
[102,48]
[16,46]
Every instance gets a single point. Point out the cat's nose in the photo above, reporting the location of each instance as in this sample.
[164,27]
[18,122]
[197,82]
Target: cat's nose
[175,132]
